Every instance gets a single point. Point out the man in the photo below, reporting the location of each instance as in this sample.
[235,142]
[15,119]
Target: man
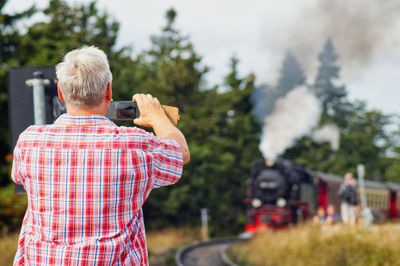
[348,195]
[87,179]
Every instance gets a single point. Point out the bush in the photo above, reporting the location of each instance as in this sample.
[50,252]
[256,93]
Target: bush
[12,209]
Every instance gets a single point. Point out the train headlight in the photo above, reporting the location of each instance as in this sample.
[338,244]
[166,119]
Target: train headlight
[281,202]
[256,203]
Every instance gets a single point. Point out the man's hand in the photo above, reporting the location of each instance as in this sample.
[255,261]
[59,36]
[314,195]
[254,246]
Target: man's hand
[153,115]
[151,111]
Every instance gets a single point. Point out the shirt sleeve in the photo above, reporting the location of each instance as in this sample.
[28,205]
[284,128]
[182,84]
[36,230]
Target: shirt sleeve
[167,161]
[17,171]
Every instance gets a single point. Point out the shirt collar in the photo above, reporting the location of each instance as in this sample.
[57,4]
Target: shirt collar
[87,120]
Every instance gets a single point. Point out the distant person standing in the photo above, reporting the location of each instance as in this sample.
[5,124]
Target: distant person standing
[348,196]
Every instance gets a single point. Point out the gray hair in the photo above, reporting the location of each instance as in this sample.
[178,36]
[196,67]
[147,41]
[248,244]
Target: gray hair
[84,75]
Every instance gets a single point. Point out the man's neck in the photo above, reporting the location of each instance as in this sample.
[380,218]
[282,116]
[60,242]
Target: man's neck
[86,112]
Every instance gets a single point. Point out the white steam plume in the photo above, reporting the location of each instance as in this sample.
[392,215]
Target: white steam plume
[294,116]
[327,133]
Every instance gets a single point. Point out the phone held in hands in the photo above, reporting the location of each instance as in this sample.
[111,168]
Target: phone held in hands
[128,110]
[123,111]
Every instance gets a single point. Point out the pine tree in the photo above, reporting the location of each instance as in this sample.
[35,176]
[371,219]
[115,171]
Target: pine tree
[240,134]
[265,96]
[173,67]
[332,96]
[292,75]
[263,99]
[171,70]
[67,28]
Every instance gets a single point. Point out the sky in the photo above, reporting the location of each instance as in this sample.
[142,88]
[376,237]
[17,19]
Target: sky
[366,35]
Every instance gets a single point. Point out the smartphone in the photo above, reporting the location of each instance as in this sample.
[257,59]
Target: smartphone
[123,111]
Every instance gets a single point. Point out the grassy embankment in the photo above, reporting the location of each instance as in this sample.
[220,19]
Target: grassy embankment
[161,245]
[8,247]
[315,245]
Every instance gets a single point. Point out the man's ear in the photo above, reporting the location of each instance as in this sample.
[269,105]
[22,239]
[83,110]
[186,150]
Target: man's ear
[59,92]
[109,92]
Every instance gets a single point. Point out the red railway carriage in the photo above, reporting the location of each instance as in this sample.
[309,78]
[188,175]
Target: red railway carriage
[383,198]
[283,193]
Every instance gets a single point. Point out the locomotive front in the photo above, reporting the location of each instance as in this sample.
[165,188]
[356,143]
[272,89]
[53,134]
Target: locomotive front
[273,195]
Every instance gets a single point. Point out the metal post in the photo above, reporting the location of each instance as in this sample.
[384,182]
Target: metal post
[366,212]
[39,105]
[204,224]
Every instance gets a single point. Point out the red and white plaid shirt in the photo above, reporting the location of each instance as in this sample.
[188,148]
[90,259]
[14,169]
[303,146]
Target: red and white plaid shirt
[86,181]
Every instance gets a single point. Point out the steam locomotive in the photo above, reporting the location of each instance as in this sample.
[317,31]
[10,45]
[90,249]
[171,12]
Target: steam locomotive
[274,195]
[281,193]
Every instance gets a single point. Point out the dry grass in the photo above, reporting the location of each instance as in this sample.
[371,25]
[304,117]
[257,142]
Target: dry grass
[163,244]
[167,238]
[315,245]
[8,247]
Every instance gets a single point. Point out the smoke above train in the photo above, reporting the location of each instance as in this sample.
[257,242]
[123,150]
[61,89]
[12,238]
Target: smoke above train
[293,116]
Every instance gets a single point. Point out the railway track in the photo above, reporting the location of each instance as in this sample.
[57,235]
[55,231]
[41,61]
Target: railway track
[210,253]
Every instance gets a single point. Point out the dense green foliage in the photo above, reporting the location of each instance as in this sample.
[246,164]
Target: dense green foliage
[219,125]
[9,40]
